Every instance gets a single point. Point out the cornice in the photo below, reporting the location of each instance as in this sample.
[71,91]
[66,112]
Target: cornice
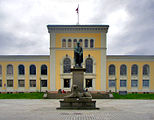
[77,28]
[130,57]
[24,57]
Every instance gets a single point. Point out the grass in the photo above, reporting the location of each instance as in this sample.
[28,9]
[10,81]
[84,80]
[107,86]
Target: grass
[35,95]
[134,96]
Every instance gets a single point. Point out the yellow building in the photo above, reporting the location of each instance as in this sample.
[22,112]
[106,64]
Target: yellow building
[103,73]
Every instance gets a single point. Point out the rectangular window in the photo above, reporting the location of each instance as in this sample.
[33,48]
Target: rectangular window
[9,83]
[32,83]
[111,83]
[66,83]
[89,83]
[145,83]
[134,83]
[43,83]
[123,83]
[21,83]
[0,83]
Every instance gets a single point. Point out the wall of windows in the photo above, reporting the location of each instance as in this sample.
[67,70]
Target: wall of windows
[22,77]
[72,42]
[127,77]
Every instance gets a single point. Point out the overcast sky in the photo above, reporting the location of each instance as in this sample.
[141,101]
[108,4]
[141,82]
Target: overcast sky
[23,24]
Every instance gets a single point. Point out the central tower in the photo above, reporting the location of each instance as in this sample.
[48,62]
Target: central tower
[63,39]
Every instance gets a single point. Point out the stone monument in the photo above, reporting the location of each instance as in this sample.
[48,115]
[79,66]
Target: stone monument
[78,99]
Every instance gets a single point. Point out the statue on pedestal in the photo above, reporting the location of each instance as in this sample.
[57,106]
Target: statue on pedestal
[78,55]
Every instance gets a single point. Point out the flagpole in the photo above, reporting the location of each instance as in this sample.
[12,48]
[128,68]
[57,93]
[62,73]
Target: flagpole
[77,10]
[78,14]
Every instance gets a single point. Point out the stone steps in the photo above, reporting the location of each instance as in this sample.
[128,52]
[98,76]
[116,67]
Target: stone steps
[61,96]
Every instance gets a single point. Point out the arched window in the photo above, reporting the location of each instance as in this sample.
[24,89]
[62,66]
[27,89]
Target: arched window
[64,43]
[91,43]
[80,41]
[0,70]
[69,43]
[134,70]
[74,42]
[21,70]
[123,70]
[32,70]
[67,65]
[89,65]
[146,70]
[43,70]
[112,70]
[9,69]
[86,43]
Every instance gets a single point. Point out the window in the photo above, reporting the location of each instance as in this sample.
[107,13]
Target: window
[74,42]
[43,83]
[0,83]
[123,83]
[80,41]
[112,70]
[0,70]
[9,69]
[146,70]
[89,83]
[134,83]
[69,43]
[43,70]
[134,70]
[32,70]
[67,65]
[86,43]
[89,65]
[21,83]
[145,83]
[111,83]
[91,43]
[66,83]
[9,83]
[32,83]
[123,70]
[64,43]
[21,70]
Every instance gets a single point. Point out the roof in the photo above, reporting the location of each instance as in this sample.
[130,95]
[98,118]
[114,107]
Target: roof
[77,25]
[24,57]
[130,57]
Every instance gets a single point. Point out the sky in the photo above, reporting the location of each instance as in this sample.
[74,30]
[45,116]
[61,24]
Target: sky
[23,24]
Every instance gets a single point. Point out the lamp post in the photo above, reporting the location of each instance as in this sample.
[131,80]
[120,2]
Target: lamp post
[40,84]
[115,85]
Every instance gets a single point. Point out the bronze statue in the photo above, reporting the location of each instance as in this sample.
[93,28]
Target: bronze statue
[78,55]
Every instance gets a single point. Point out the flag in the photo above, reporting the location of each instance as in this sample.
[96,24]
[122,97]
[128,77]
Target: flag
[77,9]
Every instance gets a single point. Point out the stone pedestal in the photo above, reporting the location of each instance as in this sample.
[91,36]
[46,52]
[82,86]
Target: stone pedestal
[78,99]
[78,77]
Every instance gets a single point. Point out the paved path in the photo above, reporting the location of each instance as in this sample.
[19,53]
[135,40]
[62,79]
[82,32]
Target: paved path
[46,110]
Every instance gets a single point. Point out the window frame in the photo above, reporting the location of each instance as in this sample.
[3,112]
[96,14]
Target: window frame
[143,84]
[111,83]
[12,85]
[122,84]
[132,85]
[110,71]
[30,85]
[20,68]
[20,85]
[30,69]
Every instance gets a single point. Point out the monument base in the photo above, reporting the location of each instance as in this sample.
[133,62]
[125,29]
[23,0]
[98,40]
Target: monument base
[78,99]
[78,104]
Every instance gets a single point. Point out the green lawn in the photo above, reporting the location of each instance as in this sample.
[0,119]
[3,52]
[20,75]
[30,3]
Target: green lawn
[36,95]
[133,96]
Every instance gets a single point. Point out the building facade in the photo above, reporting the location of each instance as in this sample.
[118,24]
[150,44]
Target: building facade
[52,72]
